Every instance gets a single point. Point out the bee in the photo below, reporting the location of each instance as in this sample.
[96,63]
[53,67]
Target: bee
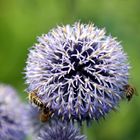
[45,112]
[45,115]
[33,98]
[129,91]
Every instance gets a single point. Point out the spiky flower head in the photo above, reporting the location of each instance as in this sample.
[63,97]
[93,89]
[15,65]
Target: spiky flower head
[52,129]
[12,120]
[57,130]
[78,70]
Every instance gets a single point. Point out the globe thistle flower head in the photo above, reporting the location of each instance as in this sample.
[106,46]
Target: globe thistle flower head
[60,131]
[51,130]
[12,120]
[78,70]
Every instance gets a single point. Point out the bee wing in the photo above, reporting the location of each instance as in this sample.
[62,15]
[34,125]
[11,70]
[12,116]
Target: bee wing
[44,117]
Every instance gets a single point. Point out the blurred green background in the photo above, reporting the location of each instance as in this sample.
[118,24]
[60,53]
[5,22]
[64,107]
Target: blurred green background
[21,21]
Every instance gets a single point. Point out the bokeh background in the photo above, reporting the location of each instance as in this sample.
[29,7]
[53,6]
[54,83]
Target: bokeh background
[21,21]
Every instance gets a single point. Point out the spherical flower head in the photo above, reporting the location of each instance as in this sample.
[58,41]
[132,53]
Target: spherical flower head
[52,129]
[78,70]
[12,120]
[57,130]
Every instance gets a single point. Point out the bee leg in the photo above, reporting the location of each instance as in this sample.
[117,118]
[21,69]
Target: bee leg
[129,97]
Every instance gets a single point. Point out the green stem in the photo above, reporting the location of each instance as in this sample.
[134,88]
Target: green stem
[82,129]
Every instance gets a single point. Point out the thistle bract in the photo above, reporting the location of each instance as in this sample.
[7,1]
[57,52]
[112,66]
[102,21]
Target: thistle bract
[78,70]
[12,120]
[57,130]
